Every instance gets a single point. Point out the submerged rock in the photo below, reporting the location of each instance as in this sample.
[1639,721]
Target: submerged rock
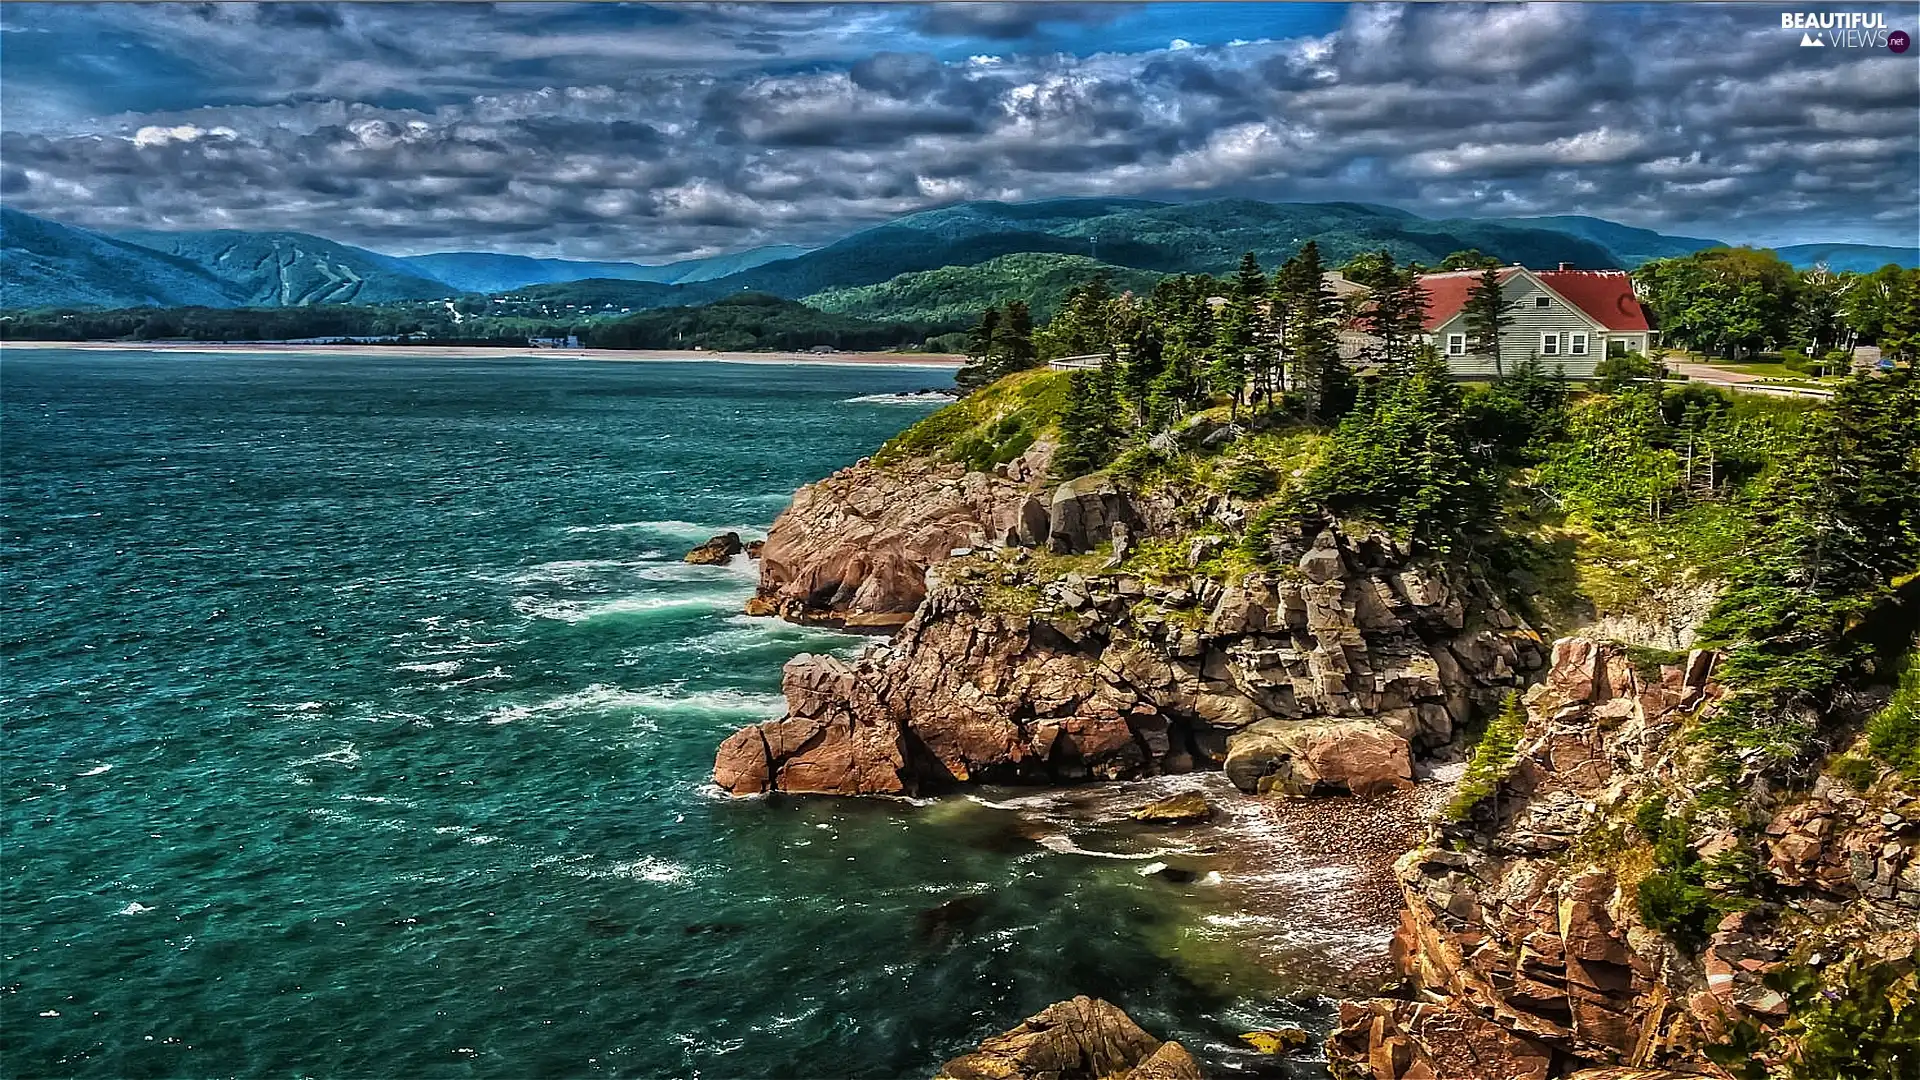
[1286,1040]
[1186,808]
[1081,1039]
[718,551]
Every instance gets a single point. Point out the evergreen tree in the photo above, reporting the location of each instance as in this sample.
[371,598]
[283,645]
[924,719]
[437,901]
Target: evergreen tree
[1402,456]
[1396,316]
[1311,340]
[978,370]
[1013,340]
[1089,428]
[1486,317]
[1250,283]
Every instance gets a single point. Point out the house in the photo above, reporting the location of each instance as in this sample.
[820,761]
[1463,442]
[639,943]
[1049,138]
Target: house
[1567,317]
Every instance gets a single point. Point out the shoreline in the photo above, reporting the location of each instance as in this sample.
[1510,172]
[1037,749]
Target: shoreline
[943,361]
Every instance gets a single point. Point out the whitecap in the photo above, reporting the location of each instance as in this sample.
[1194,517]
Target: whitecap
[135,908]
[482,839]
[578,611]
[345,755]
[1059,842]
[648,868]
[679,530]
[600,697]
[97,770]
[437,667]
[938,398]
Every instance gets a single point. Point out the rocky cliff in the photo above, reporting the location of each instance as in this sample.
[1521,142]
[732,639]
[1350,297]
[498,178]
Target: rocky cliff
[1328,674]
[1524,950]
[853,549]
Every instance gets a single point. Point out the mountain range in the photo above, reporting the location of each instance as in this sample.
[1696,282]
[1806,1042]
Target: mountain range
[970,254]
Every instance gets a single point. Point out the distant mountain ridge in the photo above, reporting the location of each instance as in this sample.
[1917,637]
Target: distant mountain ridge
[47,264]
[484,272]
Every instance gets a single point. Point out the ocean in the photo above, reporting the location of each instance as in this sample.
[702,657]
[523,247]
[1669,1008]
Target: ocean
[359,713]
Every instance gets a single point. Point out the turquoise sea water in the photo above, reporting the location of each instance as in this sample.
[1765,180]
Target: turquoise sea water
[358,719]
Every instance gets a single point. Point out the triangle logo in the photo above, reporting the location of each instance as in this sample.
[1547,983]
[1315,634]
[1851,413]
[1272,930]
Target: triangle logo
[1808,41]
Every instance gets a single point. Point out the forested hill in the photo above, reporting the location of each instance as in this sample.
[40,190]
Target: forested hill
[749,321]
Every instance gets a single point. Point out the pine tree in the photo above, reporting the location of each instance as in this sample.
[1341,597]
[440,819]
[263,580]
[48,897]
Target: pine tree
[1249,284]
[1486,317]
[1089,428]
[1013,341]
[1311,337]
[978,371]
[1396,316]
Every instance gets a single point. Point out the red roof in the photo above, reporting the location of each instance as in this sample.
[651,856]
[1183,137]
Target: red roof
[1447,293]
[1605,295]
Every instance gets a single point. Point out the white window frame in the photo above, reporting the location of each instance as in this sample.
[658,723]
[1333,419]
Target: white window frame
[1550,344]
[1541,300]
[1456,344]
[1577,343]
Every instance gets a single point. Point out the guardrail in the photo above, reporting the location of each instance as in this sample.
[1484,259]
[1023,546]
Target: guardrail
[1088,362]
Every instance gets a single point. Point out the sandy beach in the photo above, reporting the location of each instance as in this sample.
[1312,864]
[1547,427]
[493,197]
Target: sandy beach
[500,352]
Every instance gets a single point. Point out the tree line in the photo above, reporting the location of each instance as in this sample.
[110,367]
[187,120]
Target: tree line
[1739,302]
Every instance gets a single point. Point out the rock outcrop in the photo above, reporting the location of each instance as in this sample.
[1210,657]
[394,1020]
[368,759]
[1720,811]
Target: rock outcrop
[1316,680]
[1522,940]
[717,551]
[1081,1039]
[854,549]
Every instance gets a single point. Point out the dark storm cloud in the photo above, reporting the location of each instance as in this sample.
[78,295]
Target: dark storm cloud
[603,131]
[1005,21]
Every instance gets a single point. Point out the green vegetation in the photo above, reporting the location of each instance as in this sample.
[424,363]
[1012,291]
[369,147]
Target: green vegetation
[1893,735]
[1836,524]
[1856,1020]
[748,321]
[1739,302]
[1684,896]
[953,294]
[1026,405]
[1493,759]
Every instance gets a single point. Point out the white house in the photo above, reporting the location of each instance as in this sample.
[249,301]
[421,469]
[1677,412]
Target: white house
[1569,318]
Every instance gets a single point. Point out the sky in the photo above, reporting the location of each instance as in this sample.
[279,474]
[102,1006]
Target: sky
[617,131]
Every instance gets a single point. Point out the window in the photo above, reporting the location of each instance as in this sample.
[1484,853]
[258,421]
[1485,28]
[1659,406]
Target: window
[1456,344]
[1577,343]
[1617,346]
[1540,301]
[1549,344]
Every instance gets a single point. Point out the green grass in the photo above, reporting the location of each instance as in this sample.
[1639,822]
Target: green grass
[1893,735]
[987,427]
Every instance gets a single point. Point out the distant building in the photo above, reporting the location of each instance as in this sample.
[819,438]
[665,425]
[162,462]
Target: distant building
[823,349]
[1568,318]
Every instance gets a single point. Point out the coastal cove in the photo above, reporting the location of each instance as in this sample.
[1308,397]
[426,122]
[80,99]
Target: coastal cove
[362,718]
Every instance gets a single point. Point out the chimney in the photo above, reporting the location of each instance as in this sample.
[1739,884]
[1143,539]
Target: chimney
[1566,266]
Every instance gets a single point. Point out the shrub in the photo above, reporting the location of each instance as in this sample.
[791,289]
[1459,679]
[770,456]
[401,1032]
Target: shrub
[1856,772]
[1893,735]
[1493,759]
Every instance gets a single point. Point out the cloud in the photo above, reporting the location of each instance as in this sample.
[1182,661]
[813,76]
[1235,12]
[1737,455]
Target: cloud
[617,131]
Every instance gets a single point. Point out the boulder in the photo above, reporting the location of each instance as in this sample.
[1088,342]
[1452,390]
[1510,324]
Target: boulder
[1186,808]
[718,551]
[1083,513]
[1297,757]
[1081,1039]
[753,548]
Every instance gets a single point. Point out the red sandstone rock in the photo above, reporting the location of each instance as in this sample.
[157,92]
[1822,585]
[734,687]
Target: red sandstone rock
[1081,1039]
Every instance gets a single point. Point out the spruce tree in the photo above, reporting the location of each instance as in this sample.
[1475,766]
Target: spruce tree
[1396,315]
[1312,341]
[978,370]
[1486,317]
[1089,427]
[1013,341]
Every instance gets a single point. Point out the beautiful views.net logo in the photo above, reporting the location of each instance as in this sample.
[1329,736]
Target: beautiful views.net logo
[1844,30]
